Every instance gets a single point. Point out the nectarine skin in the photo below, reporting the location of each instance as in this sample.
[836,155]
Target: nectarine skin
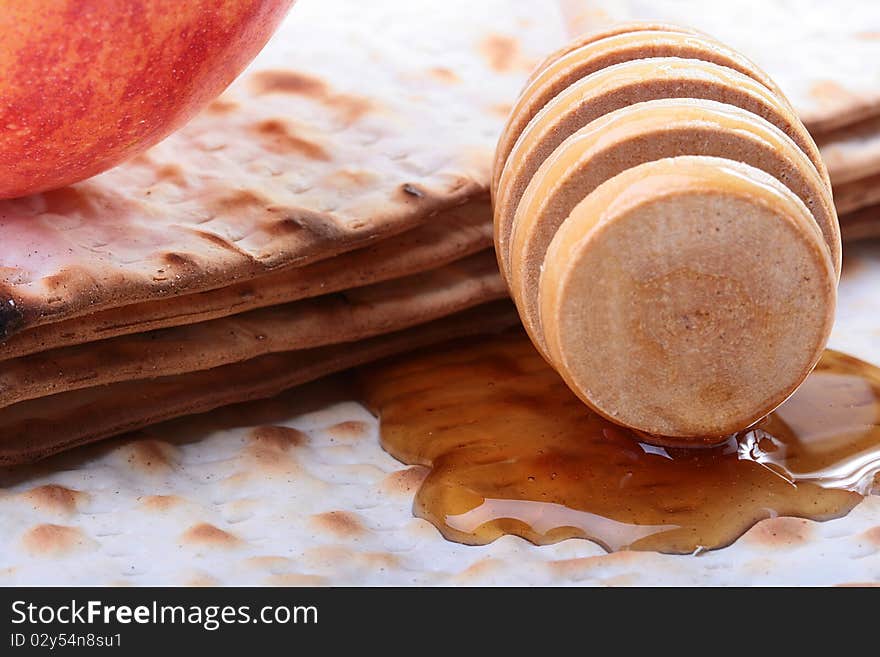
[87,84]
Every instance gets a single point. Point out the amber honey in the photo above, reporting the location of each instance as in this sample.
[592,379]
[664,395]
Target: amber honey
[513,451]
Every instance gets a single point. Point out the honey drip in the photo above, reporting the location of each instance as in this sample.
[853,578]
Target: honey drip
[513,451]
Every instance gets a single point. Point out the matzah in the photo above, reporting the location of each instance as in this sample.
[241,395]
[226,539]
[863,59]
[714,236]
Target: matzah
[344,316]
[305,156]
[37,428]
[450,235]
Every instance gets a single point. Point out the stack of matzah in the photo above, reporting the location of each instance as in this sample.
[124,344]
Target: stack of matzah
[825,57]
[329,208]
[336,194]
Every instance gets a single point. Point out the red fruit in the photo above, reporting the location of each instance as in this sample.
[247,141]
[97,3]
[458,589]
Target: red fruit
[86,84]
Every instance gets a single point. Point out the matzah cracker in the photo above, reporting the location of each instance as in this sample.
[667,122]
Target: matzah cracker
[861,224]
[822,54]
[354,123]
[857,194]
[345,316]
[450,235]
[853,152]
[37,428]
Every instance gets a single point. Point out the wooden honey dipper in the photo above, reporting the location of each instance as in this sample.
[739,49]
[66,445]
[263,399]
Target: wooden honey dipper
[666,227]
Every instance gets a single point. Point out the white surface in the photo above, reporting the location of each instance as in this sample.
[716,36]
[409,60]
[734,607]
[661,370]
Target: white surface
[822,54]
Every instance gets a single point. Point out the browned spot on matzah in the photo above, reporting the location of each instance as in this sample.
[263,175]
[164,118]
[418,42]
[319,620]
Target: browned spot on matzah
[142,159]
[501,109]
[872,535]
[171,173]
[323,555]
[781,532]
[160,502]
[67,280]
[870,35]
[581,566]
[479,569]
[52,497]
[404,482]
[54,540]
[288,82]
[348,429]
[222,106]
[343,524]
[270,449]
[217,240]
[179,260]
[207,534]
[202,580]
[500,52]
[150,455]
[348,178]
[241,199]
[349,106]
[443,74]
[280,138]
[278,438]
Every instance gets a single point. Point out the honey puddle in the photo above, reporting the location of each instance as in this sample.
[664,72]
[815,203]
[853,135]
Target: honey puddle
[513,451]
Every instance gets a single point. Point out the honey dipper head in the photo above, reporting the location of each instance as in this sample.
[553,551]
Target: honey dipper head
[665,224]
[687,297]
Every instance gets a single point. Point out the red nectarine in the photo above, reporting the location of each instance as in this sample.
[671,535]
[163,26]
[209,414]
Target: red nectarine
[86,84]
